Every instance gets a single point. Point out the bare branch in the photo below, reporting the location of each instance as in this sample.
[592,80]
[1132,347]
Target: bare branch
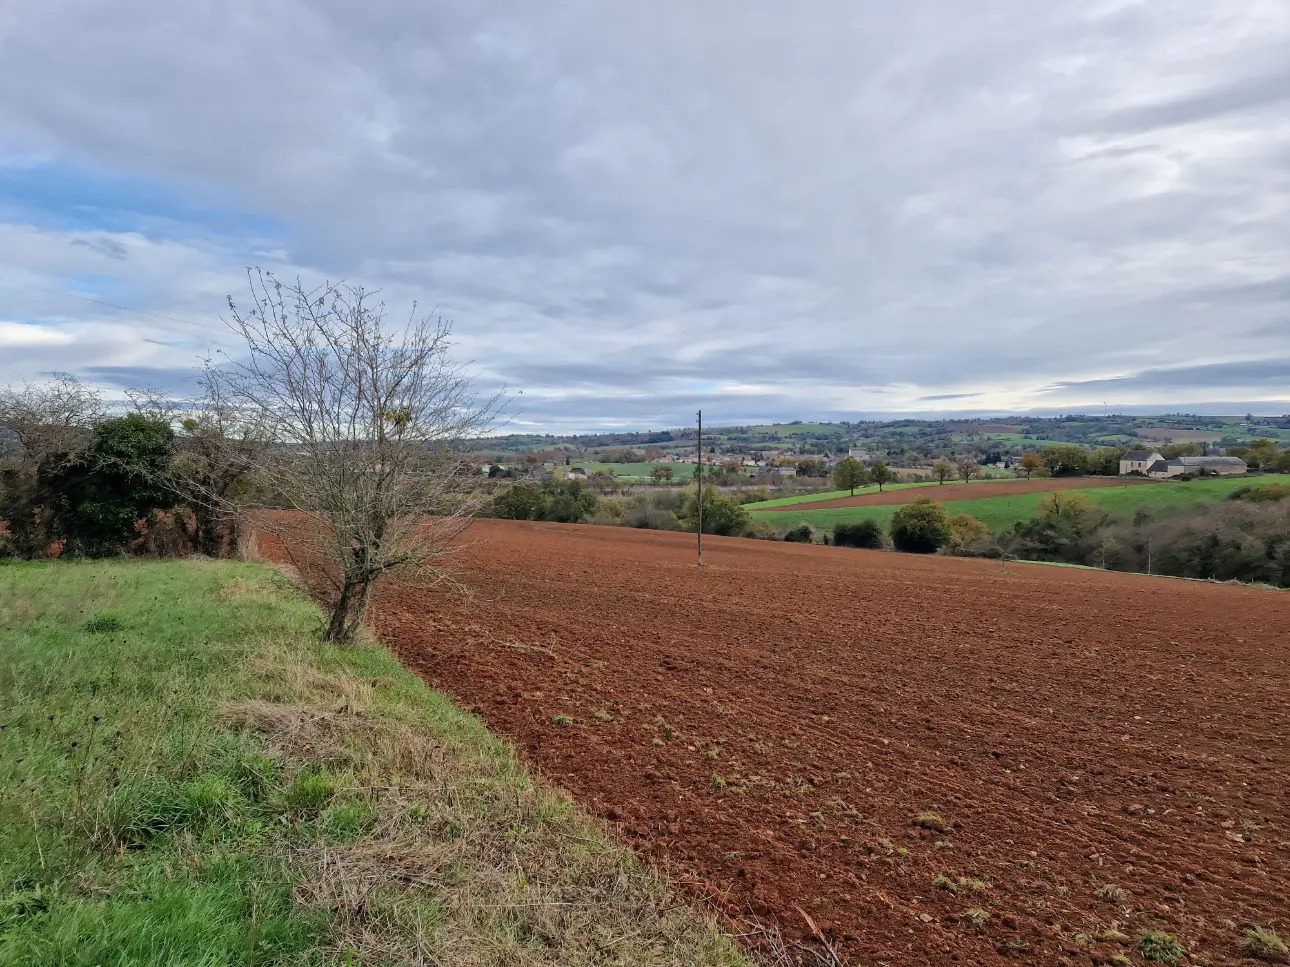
[364,417]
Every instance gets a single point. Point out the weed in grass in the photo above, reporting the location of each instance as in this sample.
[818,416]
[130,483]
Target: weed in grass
[1160,948]
[102,624]
[344,821]
[943,882]
[310,790]
[563,721]
[973,885]
[603,716]
[718,782]
[929,820]
[1111,935]
[1110,893]
[1264,945]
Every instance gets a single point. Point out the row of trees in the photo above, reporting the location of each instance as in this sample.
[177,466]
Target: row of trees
[572,502]
[850,474]
[1244,538]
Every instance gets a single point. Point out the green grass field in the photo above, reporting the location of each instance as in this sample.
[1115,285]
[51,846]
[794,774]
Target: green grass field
[1001,513]
[640,471]
[797,499]
[189,777]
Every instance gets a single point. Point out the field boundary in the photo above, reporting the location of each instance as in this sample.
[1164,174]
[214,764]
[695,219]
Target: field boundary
[316,801]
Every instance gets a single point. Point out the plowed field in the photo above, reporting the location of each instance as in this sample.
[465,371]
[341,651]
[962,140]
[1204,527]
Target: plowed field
[969,491]
[769,728]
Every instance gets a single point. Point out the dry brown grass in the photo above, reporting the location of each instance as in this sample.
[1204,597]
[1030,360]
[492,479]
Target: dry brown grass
[462,859]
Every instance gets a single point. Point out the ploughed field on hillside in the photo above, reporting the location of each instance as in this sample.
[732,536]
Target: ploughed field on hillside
[770,727]
[969,491]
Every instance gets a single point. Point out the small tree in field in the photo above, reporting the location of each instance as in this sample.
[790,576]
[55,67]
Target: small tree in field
[880,474]
[922,527]
[942,469]
[364,415]
[1031,463]
[849,474]
[967,468]
[661,474]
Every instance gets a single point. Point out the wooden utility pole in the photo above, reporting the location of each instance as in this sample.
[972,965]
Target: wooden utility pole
[698,476]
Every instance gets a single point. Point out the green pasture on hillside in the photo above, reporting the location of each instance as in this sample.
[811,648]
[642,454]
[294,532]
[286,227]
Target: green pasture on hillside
[637,471]
[1001,513]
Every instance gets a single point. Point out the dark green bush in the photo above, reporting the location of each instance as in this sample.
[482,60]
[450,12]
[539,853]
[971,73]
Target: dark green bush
[863,533]
[922,527]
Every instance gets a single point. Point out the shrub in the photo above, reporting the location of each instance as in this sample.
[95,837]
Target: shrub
[520,502]
[1265,493]
[966,533]
[1264,945]
[863,533]
[921,527]
[721,515]
[801,534]
[102,494]
[1161,948]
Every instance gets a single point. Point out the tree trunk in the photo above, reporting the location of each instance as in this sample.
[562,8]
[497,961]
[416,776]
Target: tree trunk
[348,611]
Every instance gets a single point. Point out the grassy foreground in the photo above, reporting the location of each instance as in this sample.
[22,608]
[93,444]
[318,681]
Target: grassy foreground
[1001,513]
[190,777]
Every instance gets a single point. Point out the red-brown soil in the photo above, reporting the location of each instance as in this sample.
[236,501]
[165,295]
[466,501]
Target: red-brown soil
[1074,728]
[960,491]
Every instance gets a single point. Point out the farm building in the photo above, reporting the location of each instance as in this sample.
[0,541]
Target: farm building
[1139,461]
[1223,466]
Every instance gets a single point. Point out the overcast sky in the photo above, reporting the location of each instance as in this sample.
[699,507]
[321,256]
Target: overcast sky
[630,210]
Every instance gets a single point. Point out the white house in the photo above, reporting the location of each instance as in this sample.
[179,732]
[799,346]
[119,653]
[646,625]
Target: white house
[1139,461]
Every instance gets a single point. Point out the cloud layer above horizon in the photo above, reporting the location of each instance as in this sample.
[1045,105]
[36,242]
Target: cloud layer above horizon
[630,211]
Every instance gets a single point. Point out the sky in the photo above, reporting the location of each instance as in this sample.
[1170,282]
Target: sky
[821,210]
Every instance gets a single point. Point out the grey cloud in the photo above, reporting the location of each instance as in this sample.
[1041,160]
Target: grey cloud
[106,246]
[1246,94]
[180,382]
[852,205]
[1271,375]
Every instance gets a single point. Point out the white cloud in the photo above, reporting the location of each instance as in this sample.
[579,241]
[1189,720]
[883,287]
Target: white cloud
[22,334]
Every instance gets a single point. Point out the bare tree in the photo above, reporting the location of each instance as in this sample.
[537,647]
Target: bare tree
[364,416]
[217,450]
[968,468]
[42,425]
